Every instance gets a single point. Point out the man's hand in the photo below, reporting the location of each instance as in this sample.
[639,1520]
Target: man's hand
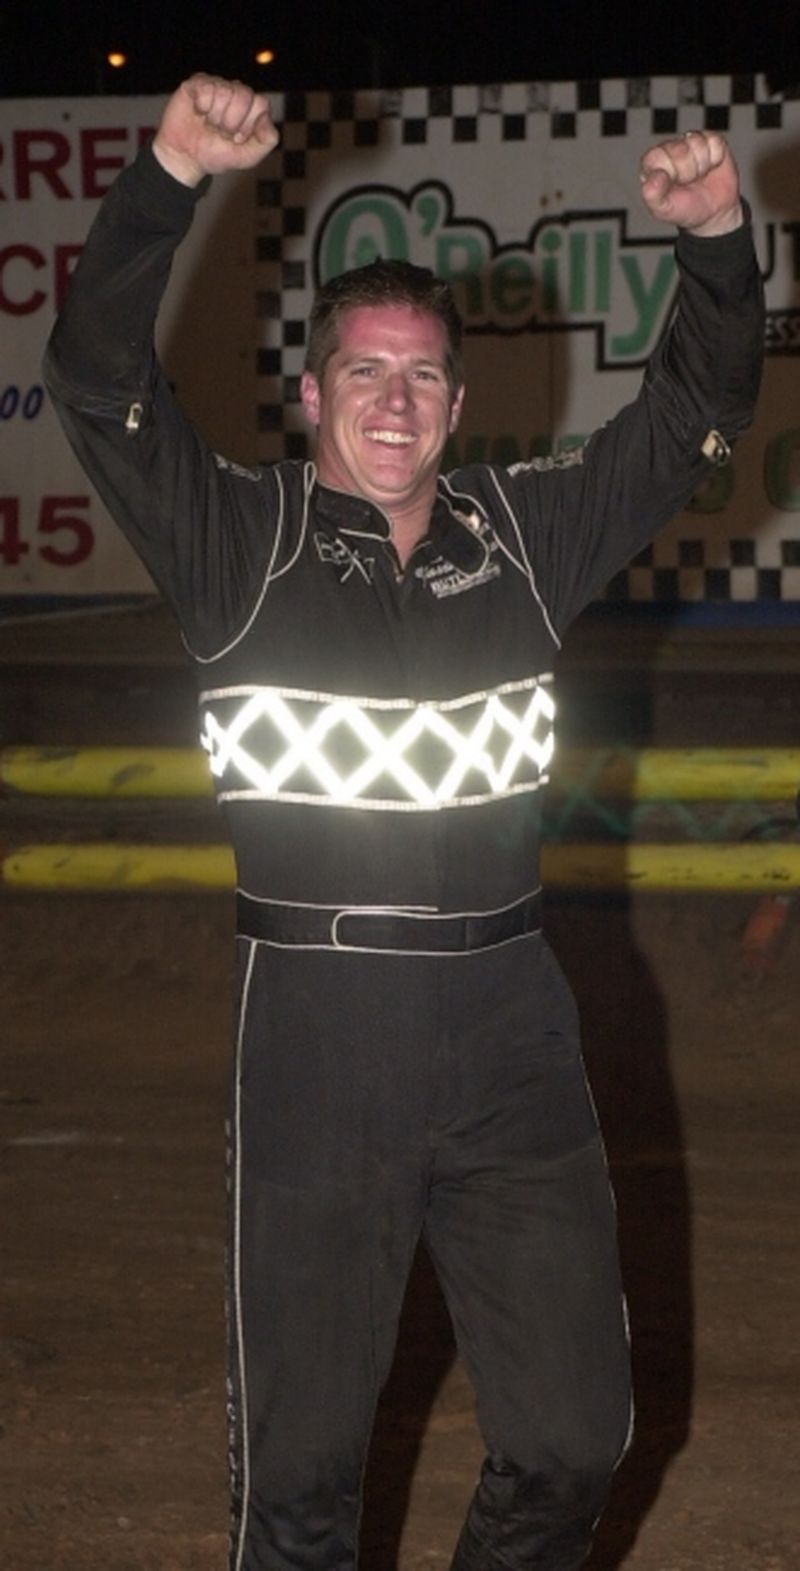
[692,181]
[211,125]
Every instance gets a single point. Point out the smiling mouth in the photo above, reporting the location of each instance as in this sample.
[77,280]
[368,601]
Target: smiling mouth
[391,438]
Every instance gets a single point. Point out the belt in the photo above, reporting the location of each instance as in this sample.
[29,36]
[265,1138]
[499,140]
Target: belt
[404,932]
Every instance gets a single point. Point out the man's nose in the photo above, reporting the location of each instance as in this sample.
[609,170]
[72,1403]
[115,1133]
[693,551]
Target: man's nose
[396,392]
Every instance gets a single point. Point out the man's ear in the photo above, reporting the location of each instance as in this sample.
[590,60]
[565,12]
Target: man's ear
[310,396]
[456,407]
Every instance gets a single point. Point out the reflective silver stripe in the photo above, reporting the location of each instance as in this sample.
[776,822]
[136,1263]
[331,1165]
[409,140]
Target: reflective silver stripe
[236,1310]
[287,744]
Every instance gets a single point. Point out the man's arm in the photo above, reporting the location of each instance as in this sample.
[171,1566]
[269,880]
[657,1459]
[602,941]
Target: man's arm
[181,512]
[584,521]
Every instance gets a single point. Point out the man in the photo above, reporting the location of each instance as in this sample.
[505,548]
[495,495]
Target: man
[374,643]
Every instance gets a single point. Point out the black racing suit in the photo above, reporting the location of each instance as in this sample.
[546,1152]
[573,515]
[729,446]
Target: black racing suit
[407,1057]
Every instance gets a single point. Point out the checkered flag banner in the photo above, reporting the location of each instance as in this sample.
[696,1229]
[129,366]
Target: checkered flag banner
[525,196]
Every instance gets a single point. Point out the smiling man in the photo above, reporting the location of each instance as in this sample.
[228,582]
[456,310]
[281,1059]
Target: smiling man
[374,643]
[384,401]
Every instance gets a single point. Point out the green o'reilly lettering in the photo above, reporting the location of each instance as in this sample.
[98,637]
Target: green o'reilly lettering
[364,227]
[577,271]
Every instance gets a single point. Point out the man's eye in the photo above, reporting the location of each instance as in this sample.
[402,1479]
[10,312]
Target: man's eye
[363,370]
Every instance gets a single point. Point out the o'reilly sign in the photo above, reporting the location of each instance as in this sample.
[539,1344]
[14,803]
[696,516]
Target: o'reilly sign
[575,271]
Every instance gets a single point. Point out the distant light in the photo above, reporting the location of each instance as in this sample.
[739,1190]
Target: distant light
[265,56]
[117,59]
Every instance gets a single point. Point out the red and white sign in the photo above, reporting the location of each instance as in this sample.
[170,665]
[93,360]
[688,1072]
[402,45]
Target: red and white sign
[57,160]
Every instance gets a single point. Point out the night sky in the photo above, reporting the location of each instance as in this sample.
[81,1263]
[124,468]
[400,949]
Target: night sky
[59,46]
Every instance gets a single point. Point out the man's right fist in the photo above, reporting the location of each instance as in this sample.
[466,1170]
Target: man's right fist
[211,125]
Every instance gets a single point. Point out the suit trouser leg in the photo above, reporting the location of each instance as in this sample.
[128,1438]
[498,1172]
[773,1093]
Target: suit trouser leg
[327,1192]
[521,1225]
[528,1267]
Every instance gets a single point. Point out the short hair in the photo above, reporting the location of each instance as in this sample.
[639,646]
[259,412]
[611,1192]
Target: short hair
[383,282]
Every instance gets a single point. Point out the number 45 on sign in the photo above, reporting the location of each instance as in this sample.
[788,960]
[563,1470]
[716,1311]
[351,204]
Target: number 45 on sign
[64,534]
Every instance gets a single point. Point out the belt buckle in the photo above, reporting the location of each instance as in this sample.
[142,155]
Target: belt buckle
[370,915]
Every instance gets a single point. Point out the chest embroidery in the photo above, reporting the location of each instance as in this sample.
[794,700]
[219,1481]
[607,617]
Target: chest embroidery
[443,578]
[344,560]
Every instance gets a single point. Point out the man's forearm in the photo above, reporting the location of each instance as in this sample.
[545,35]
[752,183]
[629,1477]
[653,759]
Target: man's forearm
[714,352]
[101,345]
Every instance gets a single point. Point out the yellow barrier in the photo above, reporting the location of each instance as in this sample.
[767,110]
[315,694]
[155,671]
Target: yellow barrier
[691,774]
[736,868]
[116,772]
[652,774]
[117,867]
[744,869]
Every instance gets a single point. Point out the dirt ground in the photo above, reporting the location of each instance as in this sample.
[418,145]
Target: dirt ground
[116,1014]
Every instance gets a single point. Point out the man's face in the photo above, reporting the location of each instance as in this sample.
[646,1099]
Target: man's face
[384,409]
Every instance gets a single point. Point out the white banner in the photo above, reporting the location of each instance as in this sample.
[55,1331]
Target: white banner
[58,158]
[525,196]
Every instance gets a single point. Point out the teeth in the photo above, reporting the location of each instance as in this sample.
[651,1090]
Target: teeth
[396,438]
